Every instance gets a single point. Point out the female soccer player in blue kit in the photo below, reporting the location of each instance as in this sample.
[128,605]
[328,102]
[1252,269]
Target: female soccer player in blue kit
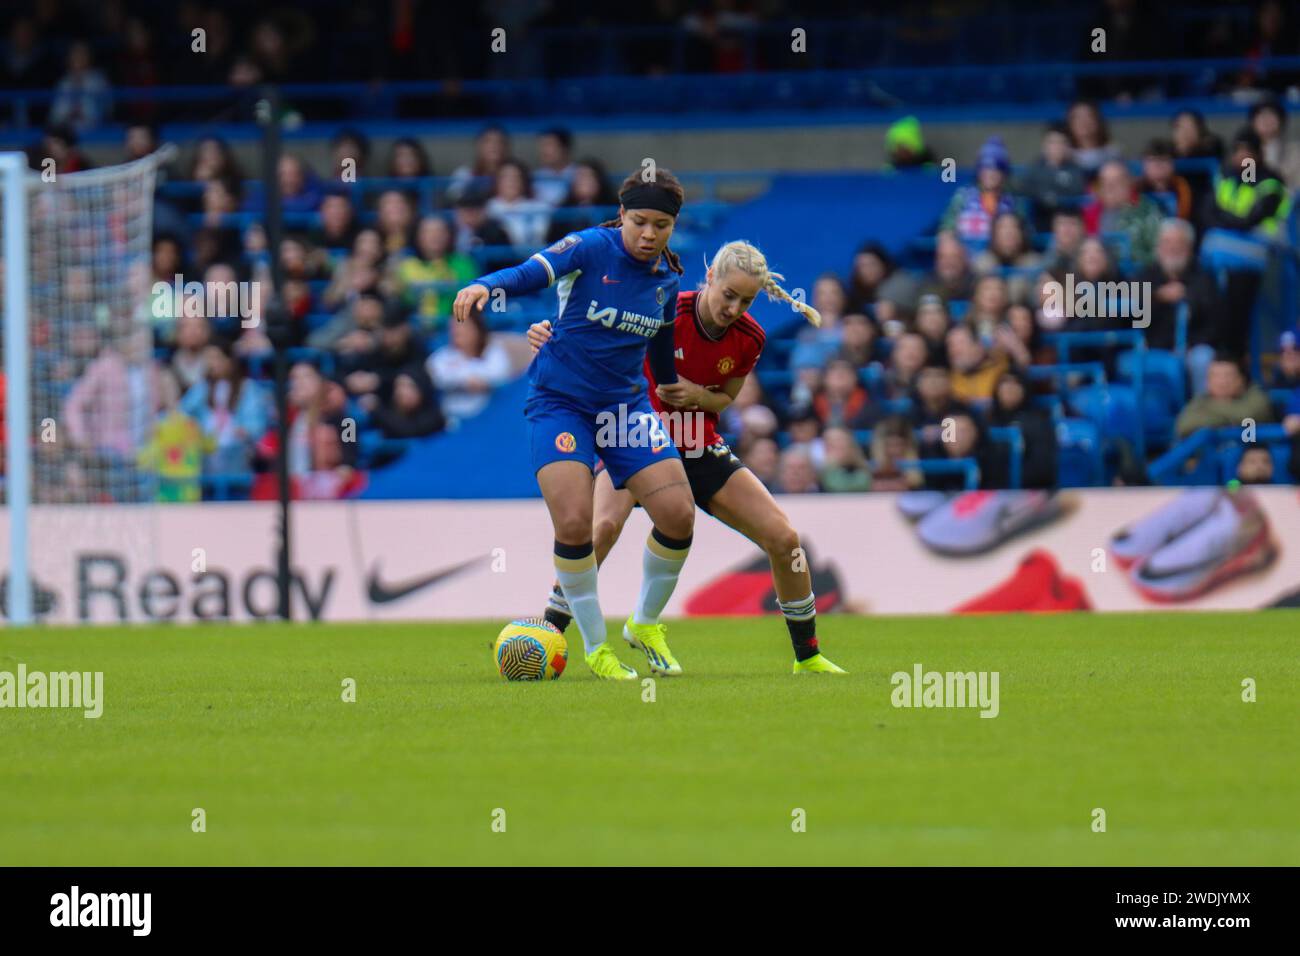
[617,285]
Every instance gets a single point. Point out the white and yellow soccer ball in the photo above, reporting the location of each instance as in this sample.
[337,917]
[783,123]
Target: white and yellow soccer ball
[530,649]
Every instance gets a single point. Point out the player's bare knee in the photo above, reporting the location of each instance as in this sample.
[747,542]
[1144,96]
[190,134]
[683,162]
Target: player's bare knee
[688,514]
[605,532]
[678,521]
[781,541]
[574,529]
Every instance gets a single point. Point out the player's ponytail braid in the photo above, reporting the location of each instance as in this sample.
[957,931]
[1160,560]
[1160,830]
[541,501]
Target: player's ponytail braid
[748,259]
[666,181]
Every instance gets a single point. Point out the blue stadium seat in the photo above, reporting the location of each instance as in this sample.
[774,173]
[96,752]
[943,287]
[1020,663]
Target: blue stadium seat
[262,365]
[1281,460]
[227,487]
[1078,458]
[1164,390]
[775,381]
[373,446]
[1112,408]
[1168,202]
[1281,400]
[777,351]
[873,377]
[1052,403]
[1228,251]
[1012,437]
[1162,372]
[896,406]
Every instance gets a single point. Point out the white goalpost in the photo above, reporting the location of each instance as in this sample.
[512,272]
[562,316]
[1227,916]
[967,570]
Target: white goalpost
[13,166]
[78,346]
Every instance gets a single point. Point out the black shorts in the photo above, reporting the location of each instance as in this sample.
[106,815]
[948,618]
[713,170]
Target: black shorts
[709,472]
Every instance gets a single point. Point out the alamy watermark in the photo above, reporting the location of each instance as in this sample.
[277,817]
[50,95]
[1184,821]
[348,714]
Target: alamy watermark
[922,688]
[80,690]
[632,428]
[1098,300]
[75,908]
[213,300]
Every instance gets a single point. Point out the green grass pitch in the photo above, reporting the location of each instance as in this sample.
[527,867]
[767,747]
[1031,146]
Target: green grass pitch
[1140,715]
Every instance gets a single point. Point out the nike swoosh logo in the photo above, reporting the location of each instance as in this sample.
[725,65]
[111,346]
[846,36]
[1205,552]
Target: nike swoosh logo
[1015,513]
[382,593]
[608,281]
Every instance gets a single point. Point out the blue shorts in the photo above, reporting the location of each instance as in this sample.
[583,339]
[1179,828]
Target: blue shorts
[627,436]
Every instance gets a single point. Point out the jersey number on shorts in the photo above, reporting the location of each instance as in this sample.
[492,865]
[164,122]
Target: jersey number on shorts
[655,426]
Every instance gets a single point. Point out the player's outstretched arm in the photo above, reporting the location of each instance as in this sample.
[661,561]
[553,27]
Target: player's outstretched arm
[529,276]
[469,300]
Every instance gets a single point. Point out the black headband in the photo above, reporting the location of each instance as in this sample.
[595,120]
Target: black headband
[650,196]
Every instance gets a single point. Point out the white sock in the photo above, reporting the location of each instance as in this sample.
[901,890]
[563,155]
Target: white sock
[660,566]
[579,586]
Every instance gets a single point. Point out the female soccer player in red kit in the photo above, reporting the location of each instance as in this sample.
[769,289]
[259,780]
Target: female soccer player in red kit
[716,345]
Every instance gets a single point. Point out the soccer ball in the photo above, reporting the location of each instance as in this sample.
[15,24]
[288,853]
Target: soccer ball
[530,649]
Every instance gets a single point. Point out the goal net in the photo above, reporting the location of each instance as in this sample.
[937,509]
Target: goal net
[83,394]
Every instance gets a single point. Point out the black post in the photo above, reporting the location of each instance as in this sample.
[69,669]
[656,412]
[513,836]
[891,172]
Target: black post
[277,328]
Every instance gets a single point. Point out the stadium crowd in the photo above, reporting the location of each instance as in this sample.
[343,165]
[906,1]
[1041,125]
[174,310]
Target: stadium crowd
[958,344]
[927,361]
[911,361]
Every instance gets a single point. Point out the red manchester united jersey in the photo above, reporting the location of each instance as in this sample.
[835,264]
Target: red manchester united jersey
[708,362]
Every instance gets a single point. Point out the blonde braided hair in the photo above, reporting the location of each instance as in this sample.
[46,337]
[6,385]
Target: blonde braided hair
[748,259]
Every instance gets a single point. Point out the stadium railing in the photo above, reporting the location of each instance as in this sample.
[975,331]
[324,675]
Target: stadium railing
[1199,459]
[1278,446]
[1103,338]
[1074,371]
[968,468]
[1009,435]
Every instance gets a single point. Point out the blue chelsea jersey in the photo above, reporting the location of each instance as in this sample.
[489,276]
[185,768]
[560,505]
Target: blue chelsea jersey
[611,304]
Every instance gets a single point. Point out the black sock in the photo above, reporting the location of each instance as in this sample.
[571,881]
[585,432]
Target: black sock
[801,619]
[803,635]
